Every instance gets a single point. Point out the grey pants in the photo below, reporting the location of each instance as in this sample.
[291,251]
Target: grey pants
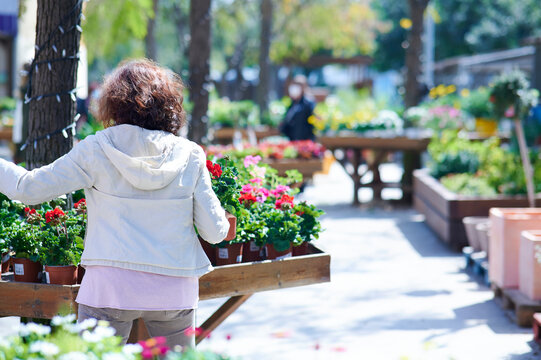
[170,323]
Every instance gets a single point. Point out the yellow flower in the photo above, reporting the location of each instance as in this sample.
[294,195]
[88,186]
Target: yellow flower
[451,89]
[441,90]
[405,23]
[465,92]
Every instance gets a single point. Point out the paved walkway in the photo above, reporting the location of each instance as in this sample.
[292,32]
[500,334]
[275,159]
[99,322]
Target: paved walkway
[396,293]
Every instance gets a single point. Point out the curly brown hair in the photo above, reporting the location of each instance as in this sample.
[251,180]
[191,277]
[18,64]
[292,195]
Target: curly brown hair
[139,92]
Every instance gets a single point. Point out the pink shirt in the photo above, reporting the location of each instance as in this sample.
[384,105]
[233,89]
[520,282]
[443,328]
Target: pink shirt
[110,287]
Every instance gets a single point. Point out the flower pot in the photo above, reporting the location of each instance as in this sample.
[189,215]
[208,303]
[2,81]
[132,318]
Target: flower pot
[301,250]
[529,266]
[5,262]
[251,252]
[506,225]
[61,275]
[209,250]
[470,224]
[273,254]
[80,273]
[486,127]
[232,233]
[26,270]
[483,230]
[230,254]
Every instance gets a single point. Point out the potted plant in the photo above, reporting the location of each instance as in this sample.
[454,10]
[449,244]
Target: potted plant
[477,104]
[24,243]
[310,227]
[62,245]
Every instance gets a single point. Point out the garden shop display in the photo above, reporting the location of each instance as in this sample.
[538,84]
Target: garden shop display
[270,224]
[275,150]
[49,235]
[353,111]
[90,339]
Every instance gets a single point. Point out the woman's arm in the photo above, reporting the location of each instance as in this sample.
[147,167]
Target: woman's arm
[209,216]
[66,174]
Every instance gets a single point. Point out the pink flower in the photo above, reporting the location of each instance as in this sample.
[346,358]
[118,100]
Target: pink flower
[258,172]
[247,189]
[257,181]
[510,112]
[280,190]
[251,160]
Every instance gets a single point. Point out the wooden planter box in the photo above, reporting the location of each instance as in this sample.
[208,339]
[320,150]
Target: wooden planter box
[444,210]
[6,133]
[306,167]
[46,300]
[225,135]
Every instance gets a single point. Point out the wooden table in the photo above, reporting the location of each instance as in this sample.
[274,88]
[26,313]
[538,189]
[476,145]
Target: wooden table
[348,150]
[6,133]
[225,135]
[237,282]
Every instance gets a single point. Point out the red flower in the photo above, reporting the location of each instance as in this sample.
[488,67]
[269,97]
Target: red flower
[214,169]
[80,205]
[193,331]
[285,202]
[55,216]
[28,211]
[247,199]
[153,347]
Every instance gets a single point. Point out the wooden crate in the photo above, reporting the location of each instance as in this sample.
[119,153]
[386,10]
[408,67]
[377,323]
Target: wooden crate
[444,210]
[45,300]
[517,306]
[6,133]
[306,167]
[225,135]
[398,143]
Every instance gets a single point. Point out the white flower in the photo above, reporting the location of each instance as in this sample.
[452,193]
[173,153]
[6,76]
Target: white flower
[130,349]
[33,328]
[99,333]
[44,347]
[74,355]
[113,356]
[103,323]
[63,320]
[87,324]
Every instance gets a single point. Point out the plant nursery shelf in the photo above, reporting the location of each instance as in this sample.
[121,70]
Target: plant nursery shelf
[444,210]
[349,150]
[307,167]
[237,281]
[225,135]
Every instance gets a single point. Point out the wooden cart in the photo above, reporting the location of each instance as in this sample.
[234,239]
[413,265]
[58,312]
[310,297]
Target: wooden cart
[225,135]
[237,282]
[342,146]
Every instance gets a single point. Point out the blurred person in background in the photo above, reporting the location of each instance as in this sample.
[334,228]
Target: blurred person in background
[295,124]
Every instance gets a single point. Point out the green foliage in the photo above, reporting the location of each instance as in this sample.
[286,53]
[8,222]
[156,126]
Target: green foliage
[226,187]
[7,104]
[283,227]
[455,163]
[477,103]
[310,226]
[512,90]
[238,114]
[468,184]
[90,127]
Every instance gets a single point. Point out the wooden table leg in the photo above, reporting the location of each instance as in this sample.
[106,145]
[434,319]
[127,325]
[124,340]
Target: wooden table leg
[411,161]
[229,307]
[355,176]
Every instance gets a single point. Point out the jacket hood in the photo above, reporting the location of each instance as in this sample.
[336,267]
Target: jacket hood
[147,159]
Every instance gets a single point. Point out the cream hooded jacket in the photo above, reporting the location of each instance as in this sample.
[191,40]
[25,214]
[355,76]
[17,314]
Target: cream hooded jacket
[144,190]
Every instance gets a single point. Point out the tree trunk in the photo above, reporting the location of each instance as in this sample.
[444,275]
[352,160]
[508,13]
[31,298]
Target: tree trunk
[151,51]
[413,53]
[51,104]
[264,61]
[199,56]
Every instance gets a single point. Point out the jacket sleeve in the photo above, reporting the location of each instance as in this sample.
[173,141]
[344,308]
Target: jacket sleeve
[209,216]
[68,173]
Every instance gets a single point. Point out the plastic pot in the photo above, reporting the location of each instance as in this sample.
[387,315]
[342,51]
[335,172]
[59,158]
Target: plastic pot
[26,270]
[232,233]
[301,249]
[6,261]
[470,223]
[61,275]
[251,252]
[209,250]
[230,254]
[273,254]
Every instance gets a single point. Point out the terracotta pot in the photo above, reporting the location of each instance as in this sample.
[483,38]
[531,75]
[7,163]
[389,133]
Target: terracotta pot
[230,254]
[209,250]
[486,127]
[529,266]
[470,223]
[25,270]
[251,252]
[6,262]
[483,230]
[301,250]
[61,275]
[273,254]
[232,233]
[80,273]
[506,225]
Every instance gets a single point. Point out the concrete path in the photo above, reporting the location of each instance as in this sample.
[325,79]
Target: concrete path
[396,293]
